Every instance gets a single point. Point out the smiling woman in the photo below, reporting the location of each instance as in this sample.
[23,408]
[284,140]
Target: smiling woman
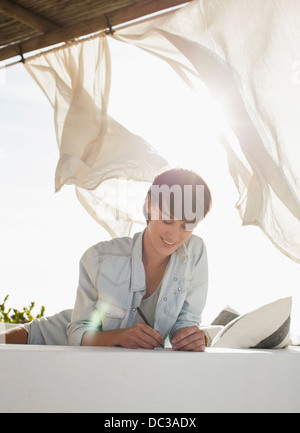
[170,266]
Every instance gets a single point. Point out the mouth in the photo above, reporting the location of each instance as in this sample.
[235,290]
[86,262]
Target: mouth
[167,243]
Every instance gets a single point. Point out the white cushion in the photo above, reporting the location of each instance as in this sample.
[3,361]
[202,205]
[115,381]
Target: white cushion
[211,332]
[264,328]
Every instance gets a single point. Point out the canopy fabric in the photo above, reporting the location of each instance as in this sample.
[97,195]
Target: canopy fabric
[104,160]
[246,53]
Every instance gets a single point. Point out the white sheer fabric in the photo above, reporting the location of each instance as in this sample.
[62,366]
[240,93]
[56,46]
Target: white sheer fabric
[110,166]
[247,53]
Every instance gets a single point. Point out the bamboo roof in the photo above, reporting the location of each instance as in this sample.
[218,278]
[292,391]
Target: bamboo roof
[30,25]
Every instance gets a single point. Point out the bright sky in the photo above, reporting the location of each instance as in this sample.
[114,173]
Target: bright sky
[43,235]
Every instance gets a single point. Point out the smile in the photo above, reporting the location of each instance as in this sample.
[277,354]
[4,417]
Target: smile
[168,244]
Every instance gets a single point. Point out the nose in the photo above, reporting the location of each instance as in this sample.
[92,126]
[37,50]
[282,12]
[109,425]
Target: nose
[174,231]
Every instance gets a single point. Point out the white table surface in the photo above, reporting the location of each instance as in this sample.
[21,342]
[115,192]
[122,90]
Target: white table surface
[114,380]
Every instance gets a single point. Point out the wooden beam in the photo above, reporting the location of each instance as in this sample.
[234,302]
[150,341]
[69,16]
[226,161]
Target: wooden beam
[25,16]
[140,9]
[64,34]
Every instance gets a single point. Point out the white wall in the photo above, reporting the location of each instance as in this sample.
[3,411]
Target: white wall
[114,380]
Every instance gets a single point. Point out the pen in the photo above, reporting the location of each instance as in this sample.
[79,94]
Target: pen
[146,321]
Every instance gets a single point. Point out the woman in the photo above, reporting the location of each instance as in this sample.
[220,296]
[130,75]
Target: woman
[162,270]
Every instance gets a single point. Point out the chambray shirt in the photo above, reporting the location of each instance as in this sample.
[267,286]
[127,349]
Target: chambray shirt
[112,285]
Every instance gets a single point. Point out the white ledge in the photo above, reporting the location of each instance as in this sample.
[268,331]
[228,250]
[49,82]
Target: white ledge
[116,380]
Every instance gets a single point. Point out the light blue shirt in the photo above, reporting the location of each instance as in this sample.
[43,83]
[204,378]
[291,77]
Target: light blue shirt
[112,285]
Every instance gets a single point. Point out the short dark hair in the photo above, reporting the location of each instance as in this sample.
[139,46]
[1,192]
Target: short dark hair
[185,180]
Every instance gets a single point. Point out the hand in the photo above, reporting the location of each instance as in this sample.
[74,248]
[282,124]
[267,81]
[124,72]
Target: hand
[140,335]
[191,338]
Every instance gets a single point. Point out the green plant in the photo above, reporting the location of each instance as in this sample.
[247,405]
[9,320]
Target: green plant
[24,316]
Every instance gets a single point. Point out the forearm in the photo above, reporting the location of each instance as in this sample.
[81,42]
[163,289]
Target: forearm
[16,335]
[139,335]
[102,338]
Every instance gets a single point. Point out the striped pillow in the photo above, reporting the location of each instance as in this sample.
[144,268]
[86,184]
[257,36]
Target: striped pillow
[268,327]
[227,315]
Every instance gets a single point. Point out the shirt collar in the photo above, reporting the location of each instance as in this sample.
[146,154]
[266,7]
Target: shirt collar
[182,253]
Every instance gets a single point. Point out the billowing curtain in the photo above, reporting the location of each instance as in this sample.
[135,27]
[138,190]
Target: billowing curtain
[110,167]
[247,53]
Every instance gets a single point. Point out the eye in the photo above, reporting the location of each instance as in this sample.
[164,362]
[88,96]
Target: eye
[169,222]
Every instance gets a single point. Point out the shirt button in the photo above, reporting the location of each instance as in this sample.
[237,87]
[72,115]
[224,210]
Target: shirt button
[165,298]
[179,289]
[175,279]
[134,309]
[108,311]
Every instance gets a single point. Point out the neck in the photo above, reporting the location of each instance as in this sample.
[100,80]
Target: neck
[150,256]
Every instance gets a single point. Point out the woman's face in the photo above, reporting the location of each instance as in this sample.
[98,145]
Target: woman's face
[166,236]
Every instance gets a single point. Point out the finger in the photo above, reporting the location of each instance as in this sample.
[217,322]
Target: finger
[138,339]
[141,343]
[148,335]
[185,333]
[196,339]
[187,344]
[182,335]
[156,335]
[196,346]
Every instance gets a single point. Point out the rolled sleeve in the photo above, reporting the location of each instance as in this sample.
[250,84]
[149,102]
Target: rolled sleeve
[86,299]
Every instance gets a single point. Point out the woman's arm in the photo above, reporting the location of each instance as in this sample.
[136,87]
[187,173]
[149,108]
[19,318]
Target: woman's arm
[86,299]
[82,330]
[138,336]
[17,335]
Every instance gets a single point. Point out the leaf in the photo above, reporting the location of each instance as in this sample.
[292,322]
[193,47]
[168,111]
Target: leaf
[21,317]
